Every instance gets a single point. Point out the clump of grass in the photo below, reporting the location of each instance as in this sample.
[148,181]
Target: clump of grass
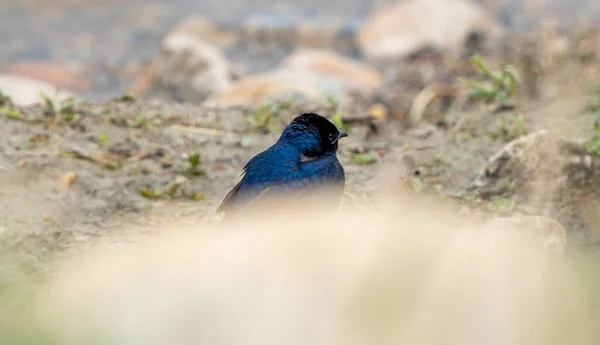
[502,205]
[192,166]
[593,144]
[126,98]
[8,110]
[170,191]
[264,117]
[363,159]
[54,106]
[5,101]
[416,183]
[139,122]
[499,86]
[593,106]
[511,129]
[188,169]
[337,114]
[111,118]
[103,140]
[13,114]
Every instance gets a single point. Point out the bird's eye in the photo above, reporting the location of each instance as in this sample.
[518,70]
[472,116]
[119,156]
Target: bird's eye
[330,136]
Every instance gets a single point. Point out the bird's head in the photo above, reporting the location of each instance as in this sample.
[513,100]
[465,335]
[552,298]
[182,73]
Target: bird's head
[313,135]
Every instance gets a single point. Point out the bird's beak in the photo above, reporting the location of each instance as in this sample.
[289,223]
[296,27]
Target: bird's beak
[341,135]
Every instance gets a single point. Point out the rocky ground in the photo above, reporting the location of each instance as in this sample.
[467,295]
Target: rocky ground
[181,124]
[78,172]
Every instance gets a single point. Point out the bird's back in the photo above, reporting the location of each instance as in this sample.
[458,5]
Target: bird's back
[282,172]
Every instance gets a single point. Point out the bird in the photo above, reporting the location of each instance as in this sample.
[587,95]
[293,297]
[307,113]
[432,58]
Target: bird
[304,158]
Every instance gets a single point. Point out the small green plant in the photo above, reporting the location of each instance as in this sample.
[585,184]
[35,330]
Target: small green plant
[5,101]
[416,183]
[593,103]
[192,166]
[337,115]
[56,106]
[511,129]
[593,144]
[503,205]
[593,106]
[12,114]
[512,185]
[338,122]
[126,98]
[198,196]
[363,159]
[8,110]
[103,139]
[263,118]
[111,118]
[151,193]
[139,122]
[498,86]
[170,191]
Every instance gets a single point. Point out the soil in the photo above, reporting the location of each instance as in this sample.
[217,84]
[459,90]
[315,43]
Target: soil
[84,173]
[76,173]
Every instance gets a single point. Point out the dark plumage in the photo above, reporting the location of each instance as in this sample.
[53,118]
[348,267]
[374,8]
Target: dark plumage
[304,158]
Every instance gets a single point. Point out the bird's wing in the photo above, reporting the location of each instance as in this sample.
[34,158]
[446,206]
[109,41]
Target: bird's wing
[283,187]
[226,204]
[263,195]
[228,200]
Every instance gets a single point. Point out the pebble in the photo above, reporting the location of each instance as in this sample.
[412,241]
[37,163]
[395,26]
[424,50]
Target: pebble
[247,142]
[69,178]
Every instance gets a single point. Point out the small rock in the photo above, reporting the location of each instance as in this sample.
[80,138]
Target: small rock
[546,171]
[68,77]
[310,74]
[247,142]
[25,91]
[530,167]
[378,112]
[258,89]
[409,26]
[69,178]
[354,74]
[190,66]
[48,218]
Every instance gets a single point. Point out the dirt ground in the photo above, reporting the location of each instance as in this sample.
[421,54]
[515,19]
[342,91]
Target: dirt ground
[77,173]
[84,172]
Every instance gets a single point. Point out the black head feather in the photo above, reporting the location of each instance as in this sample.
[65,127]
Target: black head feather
[313,134]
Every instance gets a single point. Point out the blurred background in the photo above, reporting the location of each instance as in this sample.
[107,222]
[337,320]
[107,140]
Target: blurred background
[98,49]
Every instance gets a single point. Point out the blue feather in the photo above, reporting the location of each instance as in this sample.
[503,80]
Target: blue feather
[304,158]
